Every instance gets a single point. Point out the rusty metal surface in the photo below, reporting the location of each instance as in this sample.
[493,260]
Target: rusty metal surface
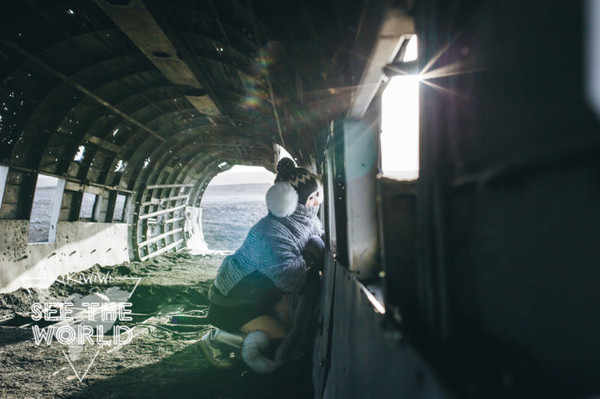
[199,84]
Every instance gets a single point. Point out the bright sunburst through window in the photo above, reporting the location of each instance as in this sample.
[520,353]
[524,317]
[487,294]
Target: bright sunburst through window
[400,129]
[400,125]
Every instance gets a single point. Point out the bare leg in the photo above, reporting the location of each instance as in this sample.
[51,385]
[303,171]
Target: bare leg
[273,328]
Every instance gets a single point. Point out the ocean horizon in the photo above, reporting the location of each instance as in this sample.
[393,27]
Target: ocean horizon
[228,212]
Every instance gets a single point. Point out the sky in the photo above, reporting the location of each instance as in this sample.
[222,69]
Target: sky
[244,175]
[236,175]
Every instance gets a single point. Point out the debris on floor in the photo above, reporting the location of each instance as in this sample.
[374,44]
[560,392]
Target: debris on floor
[145,349]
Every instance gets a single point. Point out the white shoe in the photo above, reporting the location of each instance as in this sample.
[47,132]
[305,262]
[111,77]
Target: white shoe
[219,347]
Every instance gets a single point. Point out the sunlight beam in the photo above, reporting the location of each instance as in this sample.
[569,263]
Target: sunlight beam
[400,128]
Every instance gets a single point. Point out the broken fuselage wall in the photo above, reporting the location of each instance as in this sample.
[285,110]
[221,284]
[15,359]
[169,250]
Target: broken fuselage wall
[78,246]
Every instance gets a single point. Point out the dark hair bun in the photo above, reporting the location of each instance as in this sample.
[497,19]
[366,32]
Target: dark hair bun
[286,166]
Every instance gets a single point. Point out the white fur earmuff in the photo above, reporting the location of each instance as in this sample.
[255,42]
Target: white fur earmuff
[282,199]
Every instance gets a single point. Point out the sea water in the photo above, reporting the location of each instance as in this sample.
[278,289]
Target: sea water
[228,212]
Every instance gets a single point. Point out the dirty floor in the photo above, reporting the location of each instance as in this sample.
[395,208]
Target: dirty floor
[169,304]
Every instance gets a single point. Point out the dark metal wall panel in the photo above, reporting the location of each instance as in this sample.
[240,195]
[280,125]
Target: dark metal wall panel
[18,195]
[509,197]
[527,91]
[322,347]
[366,360]
[397,223]
[525,274]
[337,156]
[361,168]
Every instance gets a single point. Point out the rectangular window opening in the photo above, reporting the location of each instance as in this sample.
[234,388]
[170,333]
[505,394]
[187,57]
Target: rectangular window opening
[119,213]
[400,123]
[46,209]
[88,203]
[3,176]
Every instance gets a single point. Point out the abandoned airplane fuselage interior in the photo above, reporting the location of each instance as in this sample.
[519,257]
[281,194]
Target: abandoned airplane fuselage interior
[473,272]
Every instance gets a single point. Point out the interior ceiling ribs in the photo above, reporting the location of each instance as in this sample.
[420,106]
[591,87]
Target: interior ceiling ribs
[143,30]
[155,92]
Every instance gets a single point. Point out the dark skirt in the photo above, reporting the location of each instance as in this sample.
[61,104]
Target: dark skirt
[255,295]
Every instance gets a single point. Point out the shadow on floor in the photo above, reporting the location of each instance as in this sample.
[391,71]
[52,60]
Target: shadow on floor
[186,374]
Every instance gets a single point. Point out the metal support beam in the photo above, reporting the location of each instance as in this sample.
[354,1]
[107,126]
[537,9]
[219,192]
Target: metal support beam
[162,250]
[82,184]
[149,215]
[148,29]
[78,86]
[389,39]
[160,236]
[159,186]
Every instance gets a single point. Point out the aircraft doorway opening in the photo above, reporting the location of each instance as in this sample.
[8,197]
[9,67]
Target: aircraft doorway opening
[233,202]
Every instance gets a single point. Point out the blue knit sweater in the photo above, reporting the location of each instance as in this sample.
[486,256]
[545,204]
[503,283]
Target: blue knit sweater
[273,247]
